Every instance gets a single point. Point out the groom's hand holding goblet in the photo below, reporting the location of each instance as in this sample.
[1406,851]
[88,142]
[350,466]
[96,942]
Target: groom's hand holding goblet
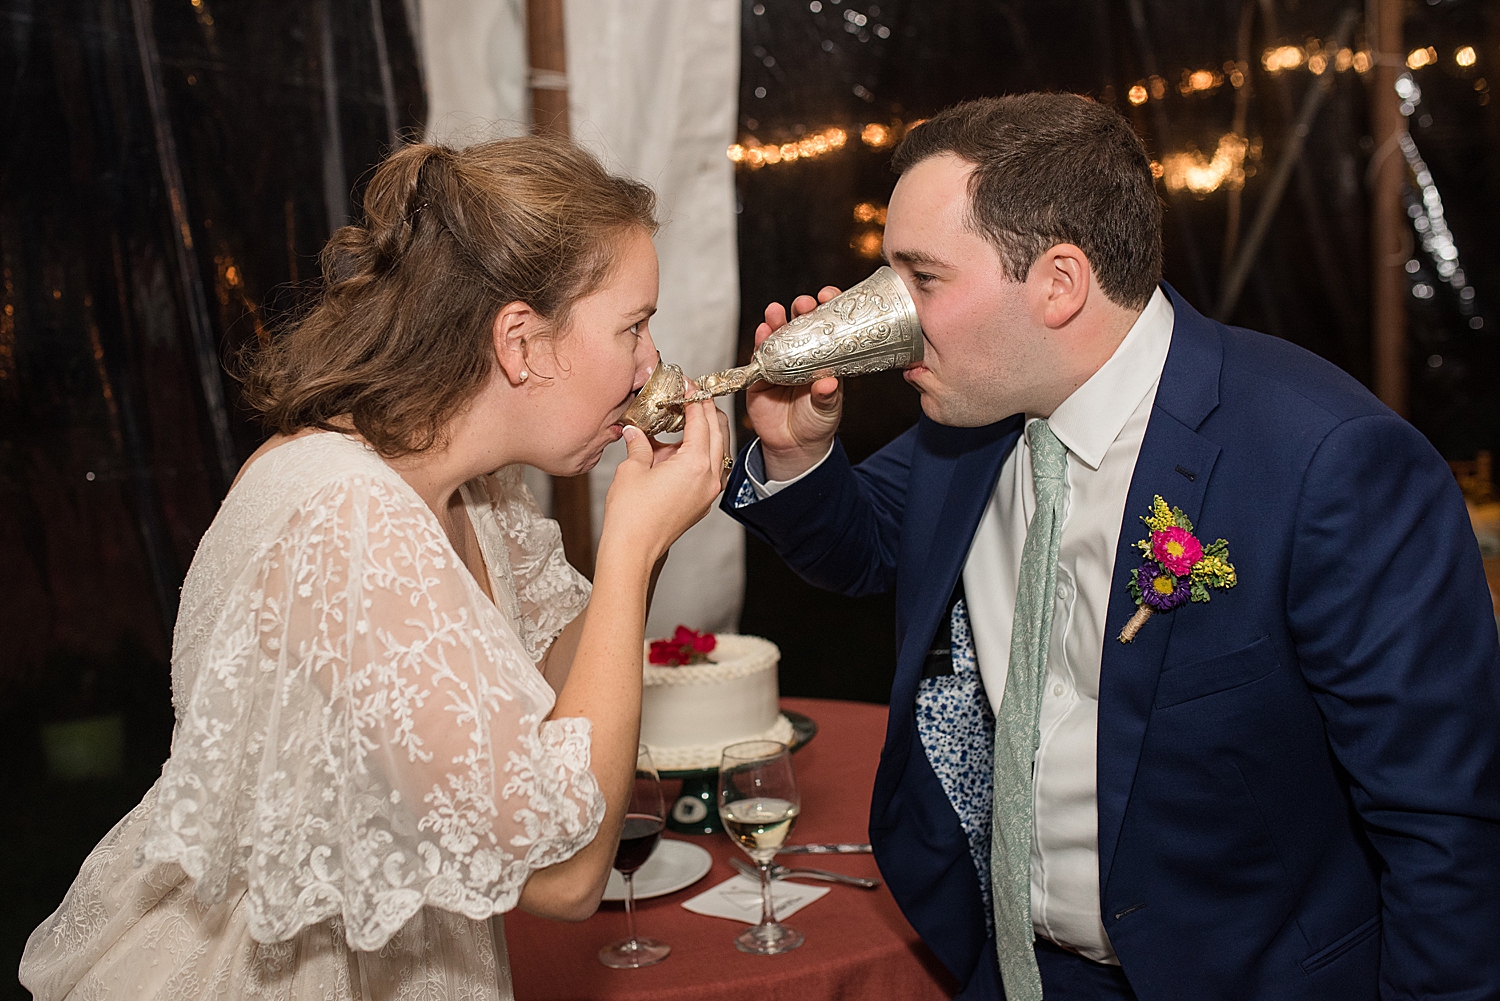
[796,424]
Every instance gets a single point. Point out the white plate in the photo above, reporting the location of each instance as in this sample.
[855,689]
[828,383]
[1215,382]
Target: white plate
[674,865]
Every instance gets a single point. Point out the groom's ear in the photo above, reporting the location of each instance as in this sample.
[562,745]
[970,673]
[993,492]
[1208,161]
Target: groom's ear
[1061,279]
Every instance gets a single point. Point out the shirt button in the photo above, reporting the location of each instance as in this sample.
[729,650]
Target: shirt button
[1057,689]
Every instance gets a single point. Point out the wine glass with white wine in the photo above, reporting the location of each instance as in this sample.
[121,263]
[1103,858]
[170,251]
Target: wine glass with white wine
[644,819]
[758,803]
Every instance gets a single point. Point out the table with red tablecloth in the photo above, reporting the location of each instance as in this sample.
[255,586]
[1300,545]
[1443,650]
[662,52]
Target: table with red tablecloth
[858,944]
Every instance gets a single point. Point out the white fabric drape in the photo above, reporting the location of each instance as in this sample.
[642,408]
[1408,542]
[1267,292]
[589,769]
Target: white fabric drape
[474,68]
[652,90]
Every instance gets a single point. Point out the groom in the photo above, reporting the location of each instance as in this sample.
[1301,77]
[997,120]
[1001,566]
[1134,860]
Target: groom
[1290,790]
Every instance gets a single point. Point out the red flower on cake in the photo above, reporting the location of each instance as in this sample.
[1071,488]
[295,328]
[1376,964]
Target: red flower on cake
[687,646]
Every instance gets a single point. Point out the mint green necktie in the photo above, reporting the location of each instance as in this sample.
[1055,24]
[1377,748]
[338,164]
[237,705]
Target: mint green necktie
[1017,723]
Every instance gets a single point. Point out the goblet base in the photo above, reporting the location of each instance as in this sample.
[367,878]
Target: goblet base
[768,940]
[632,954]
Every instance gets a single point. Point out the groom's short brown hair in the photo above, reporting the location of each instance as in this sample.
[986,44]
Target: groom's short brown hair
[1050,169]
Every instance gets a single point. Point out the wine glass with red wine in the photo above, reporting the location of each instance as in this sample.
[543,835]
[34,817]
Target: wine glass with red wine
[644,819]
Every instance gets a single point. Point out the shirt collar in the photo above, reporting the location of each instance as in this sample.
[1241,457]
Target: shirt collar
[1089,420]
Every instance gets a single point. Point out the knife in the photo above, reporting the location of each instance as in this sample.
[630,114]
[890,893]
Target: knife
[838,849]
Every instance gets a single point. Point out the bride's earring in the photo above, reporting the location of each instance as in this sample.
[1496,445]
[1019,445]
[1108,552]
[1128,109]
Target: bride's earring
[524,373]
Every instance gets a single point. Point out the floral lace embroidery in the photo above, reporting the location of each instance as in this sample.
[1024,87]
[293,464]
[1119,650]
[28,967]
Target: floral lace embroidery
[543,591]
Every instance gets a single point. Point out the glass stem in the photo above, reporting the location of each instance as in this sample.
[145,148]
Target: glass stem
[767,910]
[630,906]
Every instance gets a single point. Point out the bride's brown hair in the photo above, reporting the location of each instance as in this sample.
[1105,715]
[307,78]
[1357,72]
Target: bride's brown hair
[400,339]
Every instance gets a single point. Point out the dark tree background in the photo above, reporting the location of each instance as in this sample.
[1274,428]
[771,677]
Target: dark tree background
[172,167]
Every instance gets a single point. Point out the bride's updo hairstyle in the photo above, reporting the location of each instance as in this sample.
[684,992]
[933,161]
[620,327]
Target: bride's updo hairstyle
[401,339]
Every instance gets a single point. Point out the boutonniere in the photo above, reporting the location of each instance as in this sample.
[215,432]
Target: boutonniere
[1177,569]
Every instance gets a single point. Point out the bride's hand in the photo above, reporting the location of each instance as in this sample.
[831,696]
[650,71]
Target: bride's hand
[662,490]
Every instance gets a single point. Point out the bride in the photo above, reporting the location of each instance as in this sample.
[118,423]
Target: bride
[400,712]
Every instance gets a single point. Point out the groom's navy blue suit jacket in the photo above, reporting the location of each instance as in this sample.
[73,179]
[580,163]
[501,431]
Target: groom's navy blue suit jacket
[1299,781]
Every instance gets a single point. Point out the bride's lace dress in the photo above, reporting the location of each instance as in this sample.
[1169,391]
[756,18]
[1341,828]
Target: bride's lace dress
[362,774]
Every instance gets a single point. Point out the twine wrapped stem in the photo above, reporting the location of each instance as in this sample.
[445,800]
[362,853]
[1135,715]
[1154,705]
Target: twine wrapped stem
[1136,621]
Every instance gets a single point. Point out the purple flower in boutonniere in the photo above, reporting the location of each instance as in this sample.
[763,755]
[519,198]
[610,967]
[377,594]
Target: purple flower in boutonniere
[1159,588]
[1177,569]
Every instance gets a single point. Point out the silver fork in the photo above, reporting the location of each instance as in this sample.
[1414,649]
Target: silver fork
[784,872]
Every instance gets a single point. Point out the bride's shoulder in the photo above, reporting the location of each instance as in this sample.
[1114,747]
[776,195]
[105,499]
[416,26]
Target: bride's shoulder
[308,451]
[301,471]
[285,496]
[310,459]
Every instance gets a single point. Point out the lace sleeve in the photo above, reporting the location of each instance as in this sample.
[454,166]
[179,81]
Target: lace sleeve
[549,593]
[366,734]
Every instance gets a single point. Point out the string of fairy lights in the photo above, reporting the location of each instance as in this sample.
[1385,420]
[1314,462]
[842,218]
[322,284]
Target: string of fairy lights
[877,135]
[1424,207]
[1190,170]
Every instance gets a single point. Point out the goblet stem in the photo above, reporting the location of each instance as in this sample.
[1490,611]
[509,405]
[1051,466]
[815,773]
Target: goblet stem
[630,907]
[767,908]
[731,380]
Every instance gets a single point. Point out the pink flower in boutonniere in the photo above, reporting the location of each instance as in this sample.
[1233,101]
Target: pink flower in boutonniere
[1177,568]
[1176,549]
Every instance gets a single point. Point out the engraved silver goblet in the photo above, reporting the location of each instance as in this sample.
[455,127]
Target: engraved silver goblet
[870,327]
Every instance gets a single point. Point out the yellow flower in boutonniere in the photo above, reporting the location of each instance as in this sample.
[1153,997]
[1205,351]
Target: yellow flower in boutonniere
[1177,567]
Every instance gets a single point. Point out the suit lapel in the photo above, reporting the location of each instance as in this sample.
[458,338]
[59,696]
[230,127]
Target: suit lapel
[1177,463]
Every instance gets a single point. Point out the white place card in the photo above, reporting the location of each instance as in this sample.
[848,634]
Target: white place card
[738,899]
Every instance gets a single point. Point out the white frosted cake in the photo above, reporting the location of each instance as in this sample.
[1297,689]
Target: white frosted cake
[689,714]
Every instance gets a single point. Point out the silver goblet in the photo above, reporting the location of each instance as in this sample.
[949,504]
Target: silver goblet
[870,327]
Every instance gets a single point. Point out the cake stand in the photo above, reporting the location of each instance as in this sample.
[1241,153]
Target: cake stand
[695,811]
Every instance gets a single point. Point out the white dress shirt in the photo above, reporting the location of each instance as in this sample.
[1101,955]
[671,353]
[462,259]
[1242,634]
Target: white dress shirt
[1102,424]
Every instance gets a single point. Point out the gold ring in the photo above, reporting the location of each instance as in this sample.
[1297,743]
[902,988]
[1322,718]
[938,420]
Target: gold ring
[728,463]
